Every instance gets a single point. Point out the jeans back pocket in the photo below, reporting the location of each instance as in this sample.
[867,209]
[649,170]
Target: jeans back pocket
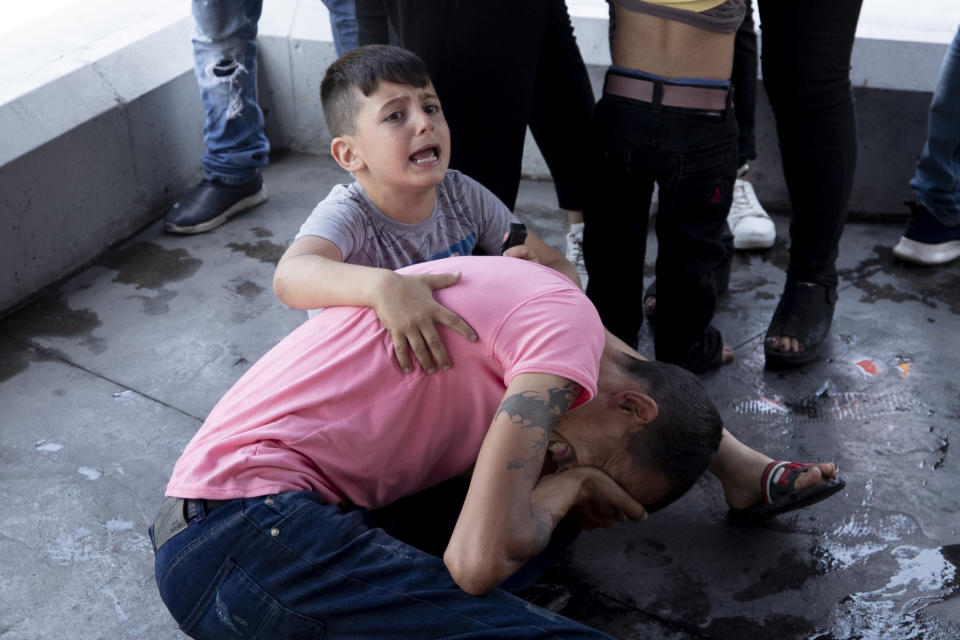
[234,606]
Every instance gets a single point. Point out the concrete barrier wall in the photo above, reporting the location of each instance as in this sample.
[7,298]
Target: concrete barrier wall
[99,139]
[99,135]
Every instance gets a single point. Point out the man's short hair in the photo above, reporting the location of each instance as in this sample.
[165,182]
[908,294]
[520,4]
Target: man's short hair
[364,69]
[681,442]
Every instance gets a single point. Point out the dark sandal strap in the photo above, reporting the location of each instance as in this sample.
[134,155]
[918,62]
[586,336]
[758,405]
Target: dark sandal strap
[805,312]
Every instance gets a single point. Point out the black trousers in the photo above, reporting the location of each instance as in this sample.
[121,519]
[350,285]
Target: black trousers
[805,55]
[498,66]
[744,79]
[691,154]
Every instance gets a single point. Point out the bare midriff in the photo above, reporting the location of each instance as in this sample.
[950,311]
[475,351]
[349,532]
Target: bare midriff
[671,49]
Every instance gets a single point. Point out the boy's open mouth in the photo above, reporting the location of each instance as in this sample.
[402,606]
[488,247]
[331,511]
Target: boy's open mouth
[425,155]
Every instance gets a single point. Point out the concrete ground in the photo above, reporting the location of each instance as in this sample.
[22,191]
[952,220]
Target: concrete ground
[105,377]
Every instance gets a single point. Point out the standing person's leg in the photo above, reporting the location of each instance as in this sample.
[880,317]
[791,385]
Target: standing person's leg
[744,80]
[343,24]
[235,145]
[482,58]
[560,121]
[696,189]
[752,228]
[621,165]
[372,27]
[806,71]
[290,566]
[933,233]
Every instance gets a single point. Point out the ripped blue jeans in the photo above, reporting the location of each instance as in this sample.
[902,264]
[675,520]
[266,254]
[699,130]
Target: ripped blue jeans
[937,180]
[290,566]
[225,64]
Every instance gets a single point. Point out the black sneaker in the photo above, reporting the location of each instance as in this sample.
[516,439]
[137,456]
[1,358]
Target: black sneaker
[927,241]
[211,203]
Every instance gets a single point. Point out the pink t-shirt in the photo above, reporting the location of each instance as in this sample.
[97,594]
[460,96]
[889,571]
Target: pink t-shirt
[329,410]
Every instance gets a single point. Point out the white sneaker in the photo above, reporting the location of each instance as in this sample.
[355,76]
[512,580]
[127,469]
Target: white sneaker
[575,250]
[751,226]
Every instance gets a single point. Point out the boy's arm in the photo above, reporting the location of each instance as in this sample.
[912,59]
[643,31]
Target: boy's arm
[311,274]
[539,251]
[509,513]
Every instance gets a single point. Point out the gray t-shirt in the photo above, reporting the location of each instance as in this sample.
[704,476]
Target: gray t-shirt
[466,215]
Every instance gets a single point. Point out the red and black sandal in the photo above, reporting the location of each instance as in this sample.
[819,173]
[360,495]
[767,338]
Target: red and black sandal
[777,494]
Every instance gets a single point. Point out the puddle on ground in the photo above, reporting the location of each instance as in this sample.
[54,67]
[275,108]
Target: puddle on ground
[149,266]
[900,578]
[51,316]
[14,359]
[246,289]
[790,574]
[778,255]
[924,286]
[264,250]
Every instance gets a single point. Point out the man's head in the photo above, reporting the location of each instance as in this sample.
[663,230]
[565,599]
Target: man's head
[385,118]
[651,427]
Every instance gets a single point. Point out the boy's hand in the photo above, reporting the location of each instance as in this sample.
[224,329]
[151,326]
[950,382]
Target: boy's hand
[522,251]
[597,499]
[407,309]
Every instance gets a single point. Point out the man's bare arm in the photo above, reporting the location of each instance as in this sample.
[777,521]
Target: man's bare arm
[499,529]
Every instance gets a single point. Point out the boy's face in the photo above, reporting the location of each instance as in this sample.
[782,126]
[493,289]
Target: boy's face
[401,139]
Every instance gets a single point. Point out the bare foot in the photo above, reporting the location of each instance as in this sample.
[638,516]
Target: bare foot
[786,344]
[650,305]
[727,356]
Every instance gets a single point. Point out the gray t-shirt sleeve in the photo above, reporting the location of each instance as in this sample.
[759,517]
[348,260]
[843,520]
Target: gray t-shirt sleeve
[470,199]
[338,218]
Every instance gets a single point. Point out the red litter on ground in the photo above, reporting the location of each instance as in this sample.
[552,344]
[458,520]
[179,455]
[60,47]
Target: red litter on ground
[869,366]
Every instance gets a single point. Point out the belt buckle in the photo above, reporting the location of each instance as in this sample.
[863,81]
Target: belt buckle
[171,519]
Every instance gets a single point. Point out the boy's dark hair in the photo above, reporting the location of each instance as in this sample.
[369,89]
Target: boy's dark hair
[681,442]
[365,68]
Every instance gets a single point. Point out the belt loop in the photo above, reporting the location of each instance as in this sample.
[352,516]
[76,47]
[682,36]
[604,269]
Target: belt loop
[657,94]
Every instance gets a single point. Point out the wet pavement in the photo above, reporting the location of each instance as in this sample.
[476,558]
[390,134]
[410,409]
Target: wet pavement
[106,376]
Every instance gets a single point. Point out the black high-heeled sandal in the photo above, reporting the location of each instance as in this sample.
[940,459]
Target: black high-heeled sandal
[805,312]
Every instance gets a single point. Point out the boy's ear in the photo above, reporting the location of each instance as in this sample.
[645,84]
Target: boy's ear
[639,405]
[341,148]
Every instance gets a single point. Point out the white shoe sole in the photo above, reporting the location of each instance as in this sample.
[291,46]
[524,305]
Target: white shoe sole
[927,255]
[240,205]
[754,242]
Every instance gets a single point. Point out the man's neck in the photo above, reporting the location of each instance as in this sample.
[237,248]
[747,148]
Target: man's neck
[407,206]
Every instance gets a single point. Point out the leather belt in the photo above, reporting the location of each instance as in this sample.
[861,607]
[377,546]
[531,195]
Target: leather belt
[190,506]
[672,95]
[174,516]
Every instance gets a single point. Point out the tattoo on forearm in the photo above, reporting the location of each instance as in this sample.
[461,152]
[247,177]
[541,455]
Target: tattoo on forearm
[530,410]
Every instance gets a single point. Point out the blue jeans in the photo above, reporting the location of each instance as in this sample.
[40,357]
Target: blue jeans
[343,23]
[290,566]
[937,180]
[225,64]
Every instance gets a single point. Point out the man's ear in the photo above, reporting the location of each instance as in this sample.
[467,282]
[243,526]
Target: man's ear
[341,148]
[642,407]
